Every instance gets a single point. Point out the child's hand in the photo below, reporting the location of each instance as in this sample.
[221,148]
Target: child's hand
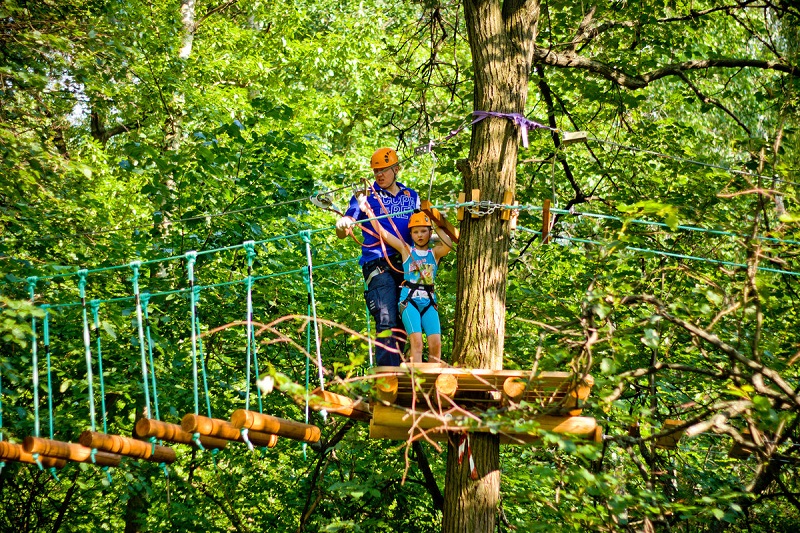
[363,204]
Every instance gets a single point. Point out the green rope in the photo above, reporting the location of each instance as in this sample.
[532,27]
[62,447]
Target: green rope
[46,345]
[140,330]
[87,344]
[668,254]
[202,361]
[309,279]
[191,257]
[95,305]
[145,299]
[651,223]
[34,361]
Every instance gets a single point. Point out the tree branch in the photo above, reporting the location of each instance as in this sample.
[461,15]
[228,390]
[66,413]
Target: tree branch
[634,82]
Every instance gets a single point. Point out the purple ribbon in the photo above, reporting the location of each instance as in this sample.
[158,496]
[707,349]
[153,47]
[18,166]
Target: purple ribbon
[523,122]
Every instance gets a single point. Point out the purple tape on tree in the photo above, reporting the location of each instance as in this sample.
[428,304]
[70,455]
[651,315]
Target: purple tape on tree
[521,121]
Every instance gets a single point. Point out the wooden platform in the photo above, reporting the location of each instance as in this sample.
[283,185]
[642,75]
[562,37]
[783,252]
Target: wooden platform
[412,398]
[553,392]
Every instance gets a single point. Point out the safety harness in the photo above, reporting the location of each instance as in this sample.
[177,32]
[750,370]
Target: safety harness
[412,292]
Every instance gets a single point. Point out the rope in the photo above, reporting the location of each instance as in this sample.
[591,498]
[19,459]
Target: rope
[145,299]
[191,257]
[250,253]
[46,343]
[309,279]
[34,360]
[87,346]
[140,330]
[95,305]
[668,254]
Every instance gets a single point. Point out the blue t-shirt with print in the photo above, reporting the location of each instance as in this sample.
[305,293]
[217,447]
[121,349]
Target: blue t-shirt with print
[383,203]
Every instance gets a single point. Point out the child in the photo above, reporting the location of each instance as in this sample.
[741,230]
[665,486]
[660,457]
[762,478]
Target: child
[417,301]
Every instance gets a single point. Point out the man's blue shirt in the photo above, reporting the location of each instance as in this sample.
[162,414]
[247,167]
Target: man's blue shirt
[382,202]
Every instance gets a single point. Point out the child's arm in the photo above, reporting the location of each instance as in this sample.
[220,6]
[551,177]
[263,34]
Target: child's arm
[391,240]
[444,245]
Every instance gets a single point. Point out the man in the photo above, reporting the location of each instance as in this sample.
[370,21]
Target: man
[382,265]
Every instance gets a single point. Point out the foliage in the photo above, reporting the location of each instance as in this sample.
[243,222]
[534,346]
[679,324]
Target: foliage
[115,148]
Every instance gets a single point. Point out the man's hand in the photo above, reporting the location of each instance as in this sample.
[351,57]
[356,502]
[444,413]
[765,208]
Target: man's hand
[345,223]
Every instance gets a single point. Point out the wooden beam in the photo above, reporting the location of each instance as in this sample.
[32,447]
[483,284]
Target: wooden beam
[476,197]
[340,405]
[508,199]
[147,427]
[290,429]
[377,431]
[384,415]
[11,451]
[127,446]
[436,217]
[69,451]
[222,429]
[546,222]
[462,197]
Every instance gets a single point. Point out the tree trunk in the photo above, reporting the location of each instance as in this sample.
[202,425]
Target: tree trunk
[501,37]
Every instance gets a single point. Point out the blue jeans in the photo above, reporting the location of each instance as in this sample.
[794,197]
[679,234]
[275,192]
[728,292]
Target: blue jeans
[382,296]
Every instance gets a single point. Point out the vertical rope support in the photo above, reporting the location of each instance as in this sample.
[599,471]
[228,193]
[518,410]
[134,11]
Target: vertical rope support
[87,344]
[202,355]
[140,330]
[369,328]
[95,305]
[46,342]
[145,299]
[249,248]
[34,358]
[306,236]
[191,257]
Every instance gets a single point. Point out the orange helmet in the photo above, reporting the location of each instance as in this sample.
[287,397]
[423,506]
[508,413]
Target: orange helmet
[419,219]
[383,158]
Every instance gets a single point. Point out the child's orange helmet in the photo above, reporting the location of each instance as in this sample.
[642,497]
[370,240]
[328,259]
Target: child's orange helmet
[383,158]
[419,219]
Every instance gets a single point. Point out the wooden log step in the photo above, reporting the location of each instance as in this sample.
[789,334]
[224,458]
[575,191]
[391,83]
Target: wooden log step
[222,429]
[70,451]
[147,427]
[290,429]
[128,446]
[11,451]
[386,389]
[384,415]
[341,405]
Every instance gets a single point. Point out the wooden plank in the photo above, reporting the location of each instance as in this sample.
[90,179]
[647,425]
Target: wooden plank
[11,451]
[147,427]
[462,197]
[546,222]
[127,446]
[508,199]
[290,429]
[222,429]
[437,218]
[338,404]
[69,451]
[476,197]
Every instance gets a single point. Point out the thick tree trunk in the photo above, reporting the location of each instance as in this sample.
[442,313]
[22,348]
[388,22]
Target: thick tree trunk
[502,37]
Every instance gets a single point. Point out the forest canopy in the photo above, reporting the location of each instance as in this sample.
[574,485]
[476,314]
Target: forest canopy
[144,145]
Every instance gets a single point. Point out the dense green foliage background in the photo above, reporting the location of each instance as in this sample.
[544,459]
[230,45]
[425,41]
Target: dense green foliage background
[138,131]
